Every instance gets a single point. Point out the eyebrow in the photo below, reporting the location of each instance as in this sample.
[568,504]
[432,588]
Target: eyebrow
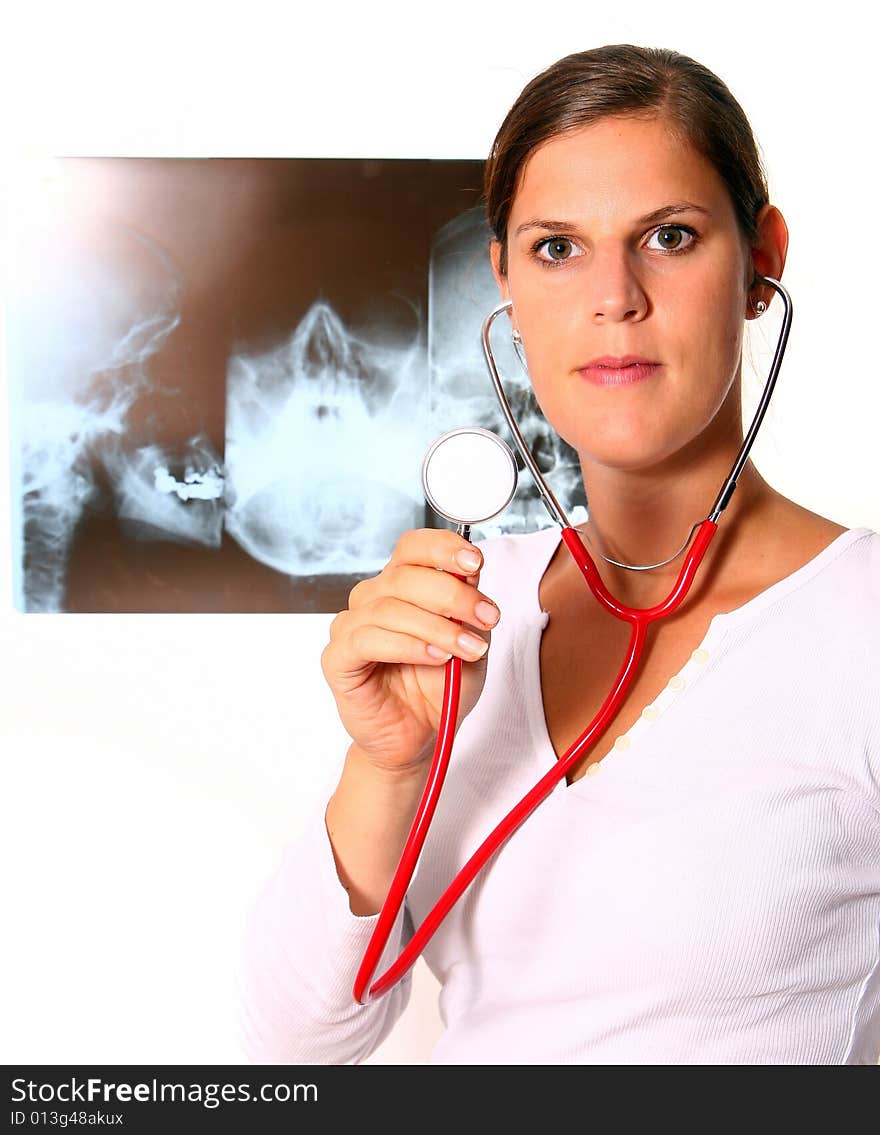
[649,219]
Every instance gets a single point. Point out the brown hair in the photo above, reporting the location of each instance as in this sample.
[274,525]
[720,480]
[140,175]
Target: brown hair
[621,79]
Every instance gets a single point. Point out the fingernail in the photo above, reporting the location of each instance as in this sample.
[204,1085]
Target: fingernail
[470,561]
[487,613]
[473,645]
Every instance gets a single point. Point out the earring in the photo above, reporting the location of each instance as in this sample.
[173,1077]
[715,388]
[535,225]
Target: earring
[518,347]
[759,308]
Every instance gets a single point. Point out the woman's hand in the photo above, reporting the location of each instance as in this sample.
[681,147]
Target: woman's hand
[385,662]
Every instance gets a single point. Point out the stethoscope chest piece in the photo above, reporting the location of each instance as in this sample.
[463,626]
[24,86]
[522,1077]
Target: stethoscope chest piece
[469,475]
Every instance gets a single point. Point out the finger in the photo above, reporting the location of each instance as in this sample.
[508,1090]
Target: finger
[369,643]
[441,593]
[437,547]
[396,615]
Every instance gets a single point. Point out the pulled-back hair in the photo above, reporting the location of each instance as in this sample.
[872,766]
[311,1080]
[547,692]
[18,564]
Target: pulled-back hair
[622,79]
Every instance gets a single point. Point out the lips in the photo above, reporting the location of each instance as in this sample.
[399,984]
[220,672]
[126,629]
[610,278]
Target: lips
[611,371]
[615,363]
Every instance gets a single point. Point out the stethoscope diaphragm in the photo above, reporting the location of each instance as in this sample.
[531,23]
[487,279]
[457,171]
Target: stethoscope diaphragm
[469,475]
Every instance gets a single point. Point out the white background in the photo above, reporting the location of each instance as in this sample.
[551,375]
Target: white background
[154,766]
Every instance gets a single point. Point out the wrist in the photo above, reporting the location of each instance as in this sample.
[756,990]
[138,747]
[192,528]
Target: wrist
[367,820]
[395,777]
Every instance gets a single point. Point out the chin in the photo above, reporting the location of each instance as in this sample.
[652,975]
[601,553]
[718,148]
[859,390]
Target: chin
[629,454]
[622,445]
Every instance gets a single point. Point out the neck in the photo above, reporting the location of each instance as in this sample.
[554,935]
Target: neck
[645,516]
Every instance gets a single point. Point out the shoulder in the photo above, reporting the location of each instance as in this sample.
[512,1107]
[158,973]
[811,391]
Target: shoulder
[824,619]
[513,564]
[519,547]
[803,558]
[857,578]
[841,582]
[852,568]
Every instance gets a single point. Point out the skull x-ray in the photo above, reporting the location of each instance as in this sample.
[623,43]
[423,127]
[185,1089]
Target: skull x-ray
[225,374]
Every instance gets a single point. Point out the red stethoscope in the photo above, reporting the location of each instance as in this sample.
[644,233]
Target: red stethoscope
[458,465]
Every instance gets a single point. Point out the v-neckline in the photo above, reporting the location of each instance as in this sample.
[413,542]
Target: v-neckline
[719,626]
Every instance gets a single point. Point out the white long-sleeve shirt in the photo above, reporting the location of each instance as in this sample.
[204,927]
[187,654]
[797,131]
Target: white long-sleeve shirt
[711,895]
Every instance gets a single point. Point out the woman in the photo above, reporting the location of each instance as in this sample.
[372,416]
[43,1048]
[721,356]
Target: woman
[706,886]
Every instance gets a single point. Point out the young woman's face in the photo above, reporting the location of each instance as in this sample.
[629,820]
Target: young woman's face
[591,275]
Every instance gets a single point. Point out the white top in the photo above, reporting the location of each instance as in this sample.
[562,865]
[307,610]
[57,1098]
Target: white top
[710,896]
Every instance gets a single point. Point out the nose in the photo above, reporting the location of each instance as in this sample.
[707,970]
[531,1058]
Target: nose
[614,291]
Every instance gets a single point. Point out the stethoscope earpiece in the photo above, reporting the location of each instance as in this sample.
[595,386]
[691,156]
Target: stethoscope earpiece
[726,492]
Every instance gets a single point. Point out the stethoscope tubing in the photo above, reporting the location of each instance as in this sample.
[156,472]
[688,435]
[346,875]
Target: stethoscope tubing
[638,618]
[411,851]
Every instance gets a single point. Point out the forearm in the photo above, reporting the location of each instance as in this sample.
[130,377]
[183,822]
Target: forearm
[368,819]
[300,952]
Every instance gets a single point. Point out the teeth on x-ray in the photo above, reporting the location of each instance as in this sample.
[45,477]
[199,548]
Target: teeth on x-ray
[194,486]
[153,504]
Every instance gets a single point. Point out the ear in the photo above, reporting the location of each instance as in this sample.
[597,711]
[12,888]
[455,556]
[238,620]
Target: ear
[500,278]
[768,253]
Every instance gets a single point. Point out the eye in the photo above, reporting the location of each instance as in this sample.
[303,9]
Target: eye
[557,249]
[676,233]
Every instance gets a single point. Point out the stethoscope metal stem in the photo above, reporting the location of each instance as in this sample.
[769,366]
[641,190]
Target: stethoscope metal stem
[552,504]
[730,484]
